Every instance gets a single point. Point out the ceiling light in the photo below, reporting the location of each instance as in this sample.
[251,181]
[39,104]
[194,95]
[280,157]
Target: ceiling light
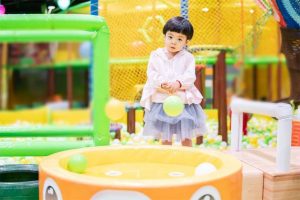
[63,4]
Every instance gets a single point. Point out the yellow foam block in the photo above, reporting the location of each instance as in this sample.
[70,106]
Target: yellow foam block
[37,115]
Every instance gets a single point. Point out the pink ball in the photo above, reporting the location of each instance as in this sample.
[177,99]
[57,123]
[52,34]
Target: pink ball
[2,9]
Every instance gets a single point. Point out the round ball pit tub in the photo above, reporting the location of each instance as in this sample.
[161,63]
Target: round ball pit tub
[141,173]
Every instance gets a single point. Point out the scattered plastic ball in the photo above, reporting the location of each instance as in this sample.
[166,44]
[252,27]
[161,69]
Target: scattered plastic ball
[115,109]
[112,134]
[223,144]
[116,142]
[77,163]
[85,50]
[204,168]
[2,10]
[173,106]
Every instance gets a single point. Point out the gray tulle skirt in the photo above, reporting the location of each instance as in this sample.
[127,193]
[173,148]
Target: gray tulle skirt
[190,123]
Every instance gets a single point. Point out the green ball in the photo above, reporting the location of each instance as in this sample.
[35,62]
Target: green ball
[77,163]
[112,134]
[268,139]
[173,106]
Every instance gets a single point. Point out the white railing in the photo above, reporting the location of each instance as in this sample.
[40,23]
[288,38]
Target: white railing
[282,111]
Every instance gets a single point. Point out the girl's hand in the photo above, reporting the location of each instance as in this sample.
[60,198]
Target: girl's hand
[174,86]
[165,86]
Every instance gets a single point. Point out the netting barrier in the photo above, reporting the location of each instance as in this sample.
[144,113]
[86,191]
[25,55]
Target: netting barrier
[136,30]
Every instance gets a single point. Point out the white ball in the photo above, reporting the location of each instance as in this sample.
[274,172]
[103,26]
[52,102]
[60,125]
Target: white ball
[204,168]
[85,50]
[116,141]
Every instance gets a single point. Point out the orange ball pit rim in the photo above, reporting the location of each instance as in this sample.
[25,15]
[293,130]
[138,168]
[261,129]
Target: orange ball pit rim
[55,167]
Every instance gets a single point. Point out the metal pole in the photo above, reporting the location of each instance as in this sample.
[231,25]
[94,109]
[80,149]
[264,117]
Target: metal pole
[184,8]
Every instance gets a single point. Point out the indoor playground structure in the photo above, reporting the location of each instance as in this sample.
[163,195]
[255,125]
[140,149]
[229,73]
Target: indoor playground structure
[95,29]
[53,28]
[237,50]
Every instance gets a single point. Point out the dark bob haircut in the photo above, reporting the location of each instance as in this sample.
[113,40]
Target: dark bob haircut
[179,25]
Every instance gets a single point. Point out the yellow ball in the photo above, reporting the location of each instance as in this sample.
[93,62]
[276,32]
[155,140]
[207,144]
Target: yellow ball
[115,109]
[173,106]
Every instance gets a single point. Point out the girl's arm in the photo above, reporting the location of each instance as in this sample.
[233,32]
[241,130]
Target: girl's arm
[153,75]
[188,78]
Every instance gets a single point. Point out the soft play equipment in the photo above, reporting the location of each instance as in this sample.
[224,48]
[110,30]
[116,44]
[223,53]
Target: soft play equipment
[62,28]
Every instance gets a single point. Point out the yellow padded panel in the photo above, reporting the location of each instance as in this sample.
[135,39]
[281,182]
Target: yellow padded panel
[72,117]
[36,116]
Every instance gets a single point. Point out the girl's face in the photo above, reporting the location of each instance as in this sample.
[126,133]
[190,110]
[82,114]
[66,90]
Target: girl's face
[175,42]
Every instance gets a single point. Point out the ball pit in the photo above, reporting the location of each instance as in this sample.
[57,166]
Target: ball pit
[141,172]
